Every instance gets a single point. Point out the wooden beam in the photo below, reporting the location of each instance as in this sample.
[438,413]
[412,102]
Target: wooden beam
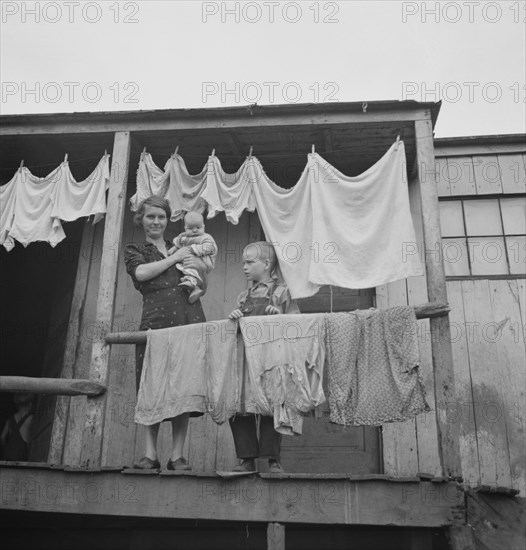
[50,386]
[229,121]
[95,408]
[252,498]
[424,311]
[443,372]
[275,536]
[463,150]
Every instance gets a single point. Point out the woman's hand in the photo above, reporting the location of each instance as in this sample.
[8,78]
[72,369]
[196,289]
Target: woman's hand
[271,310]
[178,256]
[236,314]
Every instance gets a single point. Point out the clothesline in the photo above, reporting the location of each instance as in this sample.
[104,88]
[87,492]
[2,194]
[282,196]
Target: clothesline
[34,166]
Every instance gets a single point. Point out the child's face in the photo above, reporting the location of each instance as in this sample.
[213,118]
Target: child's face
[194,228]
[255,268]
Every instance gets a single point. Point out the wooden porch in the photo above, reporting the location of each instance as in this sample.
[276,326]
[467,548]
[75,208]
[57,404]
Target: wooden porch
[91,450]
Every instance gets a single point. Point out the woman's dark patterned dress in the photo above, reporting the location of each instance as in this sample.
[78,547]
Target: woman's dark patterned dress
[165,303]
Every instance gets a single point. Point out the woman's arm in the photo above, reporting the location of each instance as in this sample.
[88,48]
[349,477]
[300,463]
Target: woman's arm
[145,272]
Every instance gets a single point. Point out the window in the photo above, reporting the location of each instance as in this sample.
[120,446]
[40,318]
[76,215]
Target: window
[484,237]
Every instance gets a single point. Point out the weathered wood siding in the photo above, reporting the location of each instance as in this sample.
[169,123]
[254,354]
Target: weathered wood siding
[488,336]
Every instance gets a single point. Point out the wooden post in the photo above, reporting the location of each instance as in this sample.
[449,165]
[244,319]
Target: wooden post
[443,372]
[275,536]
[60,420]
[95,407]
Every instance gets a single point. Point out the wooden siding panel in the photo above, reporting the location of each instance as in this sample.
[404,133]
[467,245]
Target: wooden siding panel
[487,174]
[443,186]
[461,176]
[507,335]
[513,173]
[491,430]
[462,410]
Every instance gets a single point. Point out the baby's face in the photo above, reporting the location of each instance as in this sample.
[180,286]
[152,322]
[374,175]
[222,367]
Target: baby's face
[194,228]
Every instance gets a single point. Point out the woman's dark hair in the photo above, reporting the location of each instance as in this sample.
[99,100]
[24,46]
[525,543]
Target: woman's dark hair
[152,200]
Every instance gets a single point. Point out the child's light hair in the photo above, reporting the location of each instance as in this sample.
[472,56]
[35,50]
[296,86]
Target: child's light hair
[264,251]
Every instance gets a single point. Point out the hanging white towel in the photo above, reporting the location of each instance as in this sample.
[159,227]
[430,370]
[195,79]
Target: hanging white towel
[7,212]
[77,199]
[228,193]
[182,189]
[33,220]
[339,230]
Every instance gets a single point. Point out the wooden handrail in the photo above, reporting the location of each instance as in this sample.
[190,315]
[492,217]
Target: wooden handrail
[53,386]
[424,311]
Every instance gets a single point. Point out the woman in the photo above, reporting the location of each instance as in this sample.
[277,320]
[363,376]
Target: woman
[165,304]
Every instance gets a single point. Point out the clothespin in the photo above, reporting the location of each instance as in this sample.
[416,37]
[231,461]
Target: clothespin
[21,165]
[66,157]
[105,152]
[213,153]
[176,149]
[143,153]
[397,142]
[250,152]
[313,149]
[364,106]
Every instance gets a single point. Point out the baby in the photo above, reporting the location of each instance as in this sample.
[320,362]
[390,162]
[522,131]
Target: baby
[201,244]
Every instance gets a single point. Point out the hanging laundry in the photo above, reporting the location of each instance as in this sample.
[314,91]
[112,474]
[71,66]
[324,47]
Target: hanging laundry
[336,229]
[7,212]
[228,193]
[373,359]
[77,199]
[31,208]
[33,220]
[285,356]
[175,184]
[179,378]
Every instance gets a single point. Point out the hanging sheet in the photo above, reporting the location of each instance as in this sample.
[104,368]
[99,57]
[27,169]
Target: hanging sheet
[336,229]
[31,208]
[77,199]
[212,187]
[182,189]
[33,220]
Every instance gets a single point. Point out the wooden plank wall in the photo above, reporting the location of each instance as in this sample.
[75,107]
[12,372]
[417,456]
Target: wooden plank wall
[487,331]
[480,174]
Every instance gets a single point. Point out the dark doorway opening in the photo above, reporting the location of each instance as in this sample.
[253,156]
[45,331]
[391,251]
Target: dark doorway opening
[36,294]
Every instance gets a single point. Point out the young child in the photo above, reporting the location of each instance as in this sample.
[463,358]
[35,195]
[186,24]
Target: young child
[201,244]
[266,296]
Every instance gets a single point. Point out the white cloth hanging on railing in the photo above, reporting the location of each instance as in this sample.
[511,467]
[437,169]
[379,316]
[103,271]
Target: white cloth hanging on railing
[31,208]
[332,229]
